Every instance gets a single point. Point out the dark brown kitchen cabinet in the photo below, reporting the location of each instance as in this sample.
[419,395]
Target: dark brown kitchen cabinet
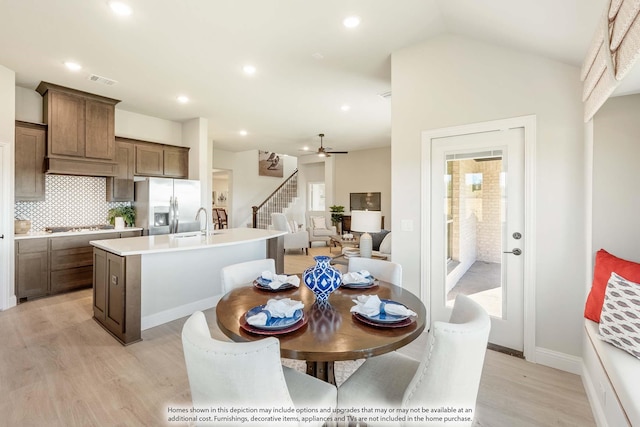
[32,268]
[29,161]
[81,129]
[120,187]
[116,294]
[71,261]
[149,160]
[65,117]
[137,233]
[176,162]
[161,160]
[99,284]
[51,265]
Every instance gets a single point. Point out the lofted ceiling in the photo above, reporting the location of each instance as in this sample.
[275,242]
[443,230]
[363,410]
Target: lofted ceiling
[308,65]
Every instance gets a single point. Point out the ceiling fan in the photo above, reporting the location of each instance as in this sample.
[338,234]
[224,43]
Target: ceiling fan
[326,151]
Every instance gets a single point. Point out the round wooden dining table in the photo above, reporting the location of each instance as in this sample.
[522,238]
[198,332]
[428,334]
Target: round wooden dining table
[331,332]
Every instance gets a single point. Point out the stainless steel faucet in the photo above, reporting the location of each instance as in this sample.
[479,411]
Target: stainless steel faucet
[206,221]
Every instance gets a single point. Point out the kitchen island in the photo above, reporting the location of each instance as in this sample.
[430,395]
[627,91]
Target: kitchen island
[142,282]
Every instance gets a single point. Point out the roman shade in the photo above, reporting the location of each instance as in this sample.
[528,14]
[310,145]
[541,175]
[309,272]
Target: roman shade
[613,51]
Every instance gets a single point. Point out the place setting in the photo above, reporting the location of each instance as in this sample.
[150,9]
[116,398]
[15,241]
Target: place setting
[358,280]
[382,313]
[277,316]
[269,281]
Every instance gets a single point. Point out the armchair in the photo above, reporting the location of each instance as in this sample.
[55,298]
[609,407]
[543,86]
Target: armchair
[319,230]
[294,239]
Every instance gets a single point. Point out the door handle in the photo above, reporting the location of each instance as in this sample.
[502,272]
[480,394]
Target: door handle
[515,251]
[1,236]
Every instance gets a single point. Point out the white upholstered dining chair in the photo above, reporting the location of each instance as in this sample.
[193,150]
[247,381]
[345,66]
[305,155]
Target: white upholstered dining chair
[380,269]
[247,374]
[243,273]
[447,375]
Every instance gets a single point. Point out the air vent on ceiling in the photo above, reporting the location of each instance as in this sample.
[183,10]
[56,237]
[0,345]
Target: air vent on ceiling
[385,95]
[102,80]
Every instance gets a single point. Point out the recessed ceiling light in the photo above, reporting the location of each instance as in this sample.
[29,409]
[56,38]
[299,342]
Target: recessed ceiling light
[345,108]
[73,66]
[351,21]
[305,148]
[249,70]
[183,99]
[243,132]
[120,8]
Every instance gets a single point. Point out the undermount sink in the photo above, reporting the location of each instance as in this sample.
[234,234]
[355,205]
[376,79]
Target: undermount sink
[183,235]
[196,234]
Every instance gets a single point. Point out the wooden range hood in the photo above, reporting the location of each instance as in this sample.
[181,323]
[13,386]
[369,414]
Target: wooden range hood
[80,131]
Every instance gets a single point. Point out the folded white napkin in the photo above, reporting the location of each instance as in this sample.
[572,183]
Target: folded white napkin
[277,280]
[370,305]
[284,307]
[361,276]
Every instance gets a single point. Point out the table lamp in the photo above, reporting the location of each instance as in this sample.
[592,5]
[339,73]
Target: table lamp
[366,222]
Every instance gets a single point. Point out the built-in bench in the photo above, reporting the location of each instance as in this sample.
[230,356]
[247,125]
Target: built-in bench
[612,379]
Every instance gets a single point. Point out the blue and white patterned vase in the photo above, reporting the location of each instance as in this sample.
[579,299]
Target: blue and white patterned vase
[322,278]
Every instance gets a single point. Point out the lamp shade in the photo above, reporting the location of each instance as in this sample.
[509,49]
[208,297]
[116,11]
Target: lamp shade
[366,221]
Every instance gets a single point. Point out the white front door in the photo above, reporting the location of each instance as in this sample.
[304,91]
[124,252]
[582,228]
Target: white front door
[477,228]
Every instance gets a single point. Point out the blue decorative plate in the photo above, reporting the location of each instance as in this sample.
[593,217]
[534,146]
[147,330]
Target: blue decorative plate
[385,317]
[262,283]
[274,323]
[369,282]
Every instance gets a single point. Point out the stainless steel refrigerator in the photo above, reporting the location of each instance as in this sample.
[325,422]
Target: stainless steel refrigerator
[165,205]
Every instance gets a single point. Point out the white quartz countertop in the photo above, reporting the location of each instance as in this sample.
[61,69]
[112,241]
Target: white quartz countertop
[184,241]
[41,234]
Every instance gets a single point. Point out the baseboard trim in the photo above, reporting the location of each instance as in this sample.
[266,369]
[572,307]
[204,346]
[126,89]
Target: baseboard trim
[166,316]
[506,350]
[594,402]
[555,359]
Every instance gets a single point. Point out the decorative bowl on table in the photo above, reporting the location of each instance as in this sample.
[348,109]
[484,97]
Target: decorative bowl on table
[322,278]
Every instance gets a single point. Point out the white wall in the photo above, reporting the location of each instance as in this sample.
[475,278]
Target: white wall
[195,136]
[147,128]
[365,171]
[616,177]
[7,145]
[452,80]
[28,105]
[248,188]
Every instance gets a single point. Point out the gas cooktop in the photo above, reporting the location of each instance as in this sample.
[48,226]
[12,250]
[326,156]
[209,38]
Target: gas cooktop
[78,228]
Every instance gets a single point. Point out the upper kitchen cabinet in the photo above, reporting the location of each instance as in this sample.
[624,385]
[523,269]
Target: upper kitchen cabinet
[149,159]
[81,131]
[161,160]
[120,187]
[29,161]
[176,162]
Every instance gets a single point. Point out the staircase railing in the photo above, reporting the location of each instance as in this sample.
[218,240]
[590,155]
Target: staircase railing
[277,201]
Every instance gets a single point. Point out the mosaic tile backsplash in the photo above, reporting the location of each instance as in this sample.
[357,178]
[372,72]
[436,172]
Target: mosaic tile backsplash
[69,201]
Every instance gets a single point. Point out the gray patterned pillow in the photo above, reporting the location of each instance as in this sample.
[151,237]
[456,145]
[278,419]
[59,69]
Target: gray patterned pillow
[620,318]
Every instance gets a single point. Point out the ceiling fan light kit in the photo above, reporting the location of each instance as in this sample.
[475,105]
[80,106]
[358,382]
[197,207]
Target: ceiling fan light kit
[325,152]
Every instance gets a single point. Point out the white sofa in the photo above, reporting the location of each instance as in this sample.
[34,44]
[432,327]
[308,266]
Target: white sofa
[320,234]
[612,380]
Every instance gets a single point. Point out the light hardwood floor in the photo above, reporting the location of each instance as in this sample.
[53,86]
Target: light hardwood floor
[58,367]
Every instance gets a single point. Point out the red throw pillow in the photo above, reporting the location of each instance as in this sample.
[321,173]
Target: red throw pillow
[605,265]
